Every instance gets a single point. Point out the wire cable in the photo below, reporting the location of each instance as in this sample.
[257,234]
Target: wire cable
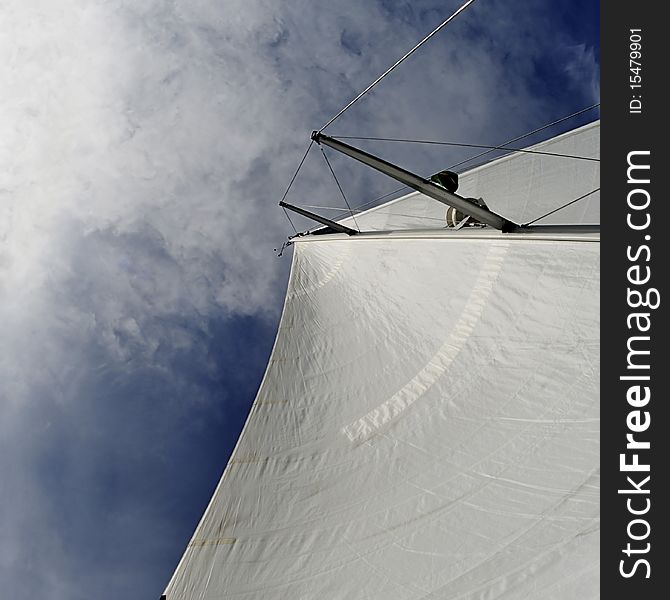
[369,202]
[339,187]
[516,139]
[502,147]
[525,135]
[399,61]
[562,207]
[297,170]
[291,183]
[290,220]
[458,144]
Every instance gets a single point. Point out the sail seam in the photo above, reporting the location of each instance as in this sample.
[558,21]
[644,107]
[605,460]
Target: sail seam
[368,425]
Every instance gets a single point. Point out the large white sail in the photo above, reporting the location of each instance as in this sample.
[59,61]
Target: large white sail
[427,426]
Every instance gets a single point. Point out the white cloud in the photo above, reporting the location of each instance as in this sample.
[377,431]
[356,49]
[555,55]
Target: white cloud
[583,69]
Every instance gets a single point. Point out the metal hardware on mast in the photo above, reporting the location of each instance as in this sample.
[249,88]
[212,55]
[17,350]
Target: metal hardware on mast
[425,186]
[327,222]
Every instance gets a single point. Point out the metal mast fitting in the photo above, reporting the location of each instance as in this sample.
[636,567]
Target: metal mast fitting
[327,222]
[425,186]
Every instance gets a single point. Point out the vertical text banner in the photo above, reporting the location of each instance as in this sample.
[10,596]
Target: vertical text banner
[635,456]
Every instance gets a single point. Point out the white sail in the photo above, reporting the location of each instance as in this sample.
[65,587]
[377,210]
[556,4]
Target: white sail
[427,426]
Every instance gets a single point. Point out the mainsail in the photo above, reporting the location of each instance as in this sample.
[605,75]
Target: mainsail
[428,424]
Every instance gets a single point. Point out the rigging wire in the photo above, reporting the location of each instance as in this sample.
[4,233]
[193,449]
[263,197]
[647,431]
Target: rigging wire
[358,209]
[291,183]
[551,212]
[407,55]
[380,139]
[525,135]
[516,139]
[339,187]
[369,202]
[290,220]
[337,208]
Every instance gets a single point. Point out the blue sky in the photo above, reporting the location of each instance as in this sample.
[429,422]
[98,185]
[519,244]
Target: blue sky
[144,146]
